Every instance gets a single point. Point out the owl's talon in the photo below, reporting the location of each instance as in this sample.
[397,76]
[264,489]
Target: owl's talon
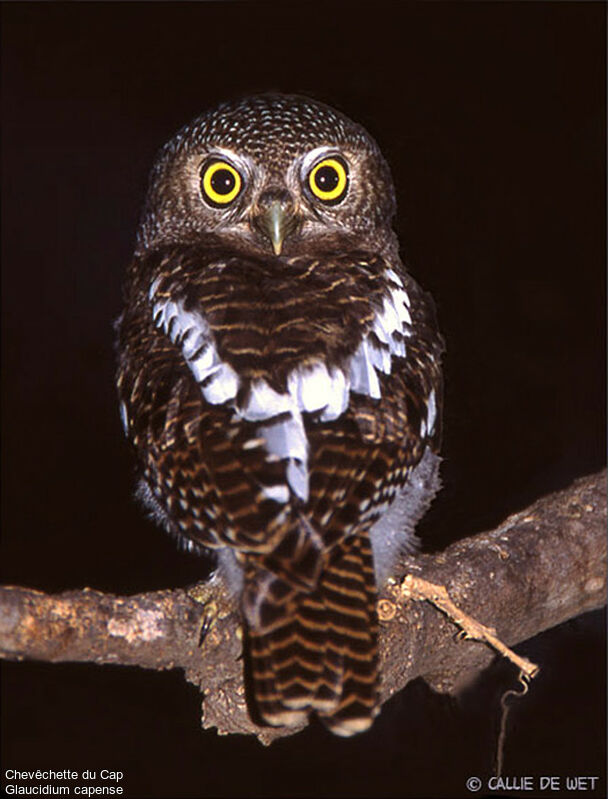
[208,618]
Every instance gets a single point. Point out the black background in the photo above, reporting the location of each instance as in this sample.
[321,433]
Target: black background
[492,117]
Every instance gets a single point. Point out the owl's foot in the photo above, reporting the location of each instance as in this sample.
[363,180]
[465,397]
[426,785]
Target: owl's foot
[203,593]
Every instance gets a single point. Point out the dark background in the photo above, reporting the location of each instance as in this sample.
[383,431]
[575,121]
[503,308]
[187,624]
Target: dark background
[493,119]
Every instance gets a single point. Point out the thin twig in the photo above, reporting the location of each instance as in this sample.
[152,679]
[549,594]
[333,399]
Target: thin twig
[422,591]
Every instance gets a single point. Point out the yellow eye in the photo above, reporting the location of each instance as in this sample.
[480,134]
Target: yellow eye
[328,180]
[221,183]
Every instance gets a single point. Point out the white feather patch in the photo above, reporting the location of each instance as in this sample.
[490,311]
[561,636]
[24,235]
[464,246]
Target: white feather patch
[431,415]
[390,326]
[310,388]
[285,437]
[392,275]
[337,398]
[223,387]
[390,317]
[297,477]
[192,342]
[278,493]
[394,322]
[265,402]
[400,301]
[189,328]
[124,418]
[398,347]
[380,357]
[206,364]
[153,286]
[317,389]
[363,377]
[383,334]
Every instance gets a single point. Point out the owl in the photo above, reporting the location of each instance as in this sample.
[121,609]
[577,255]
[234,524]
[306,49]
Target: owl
[279,381]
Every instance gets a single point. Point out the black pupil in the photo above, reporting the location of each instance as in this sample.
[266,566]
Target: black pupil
[222,181]
[326,178]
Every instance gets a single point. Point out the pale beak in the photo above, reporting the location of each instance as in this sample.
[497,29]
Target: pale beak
[277,222]
[276,226]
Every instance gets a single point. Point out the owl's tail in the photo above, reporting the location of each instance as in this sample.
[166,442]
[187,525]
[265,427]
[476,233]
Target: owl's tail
[318,651]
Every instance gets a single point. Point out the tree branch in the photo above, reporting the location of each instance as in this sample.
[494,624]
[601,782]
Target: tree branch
[539,568]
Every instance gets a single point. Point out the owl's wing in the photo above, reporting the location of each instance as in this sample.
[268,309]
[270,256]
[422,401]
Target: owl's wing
[206,470]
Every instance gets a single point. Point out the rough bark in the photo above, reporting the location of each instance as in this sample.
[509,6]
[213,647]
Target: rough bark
[539,568]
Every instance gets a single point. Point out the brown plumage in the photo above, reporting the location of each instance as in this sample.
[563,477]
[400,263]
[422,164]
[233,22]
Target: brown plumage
[279,379]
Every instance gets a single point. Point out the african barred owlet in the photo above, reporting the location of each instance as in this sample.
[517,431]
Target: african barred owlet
[279,379]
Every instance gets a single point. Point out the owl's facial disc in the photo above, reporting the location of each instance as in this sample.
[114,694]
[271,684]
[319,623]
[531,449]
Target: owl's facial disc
[276,217]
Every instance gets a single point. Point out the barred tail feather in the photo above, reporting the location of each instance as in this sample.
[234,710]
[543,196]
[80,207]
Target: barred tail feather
[349,592]
[317,651]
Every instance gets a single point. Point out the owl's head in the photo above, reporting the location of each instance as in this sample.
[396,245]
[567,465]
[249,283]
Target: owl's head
[272,173]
